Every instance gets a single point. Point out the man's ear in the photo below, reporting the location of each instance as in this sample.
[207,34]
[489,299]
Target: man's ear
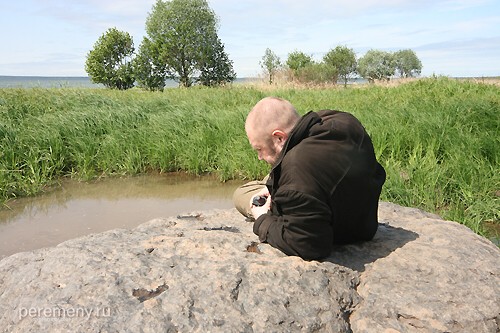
[280,135]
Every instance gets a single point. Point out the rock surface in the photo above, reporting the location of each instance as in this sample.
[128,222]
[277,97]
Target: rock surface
[204,273]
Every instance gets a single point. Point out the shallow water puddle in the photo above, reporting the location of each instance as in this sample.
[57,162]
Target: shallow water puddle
[76,209]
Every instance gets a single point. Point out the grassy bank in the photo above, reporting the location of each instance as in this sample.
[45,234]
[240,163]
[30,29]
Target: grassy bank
[437,138]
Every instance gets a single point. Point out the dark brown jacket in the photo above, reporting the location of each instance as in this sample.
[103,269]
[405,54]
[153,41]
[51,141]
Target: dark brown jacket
[324,187]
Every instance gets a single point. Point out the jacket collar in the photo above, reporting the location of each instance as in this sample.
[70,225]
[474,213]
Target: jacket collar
[298,133]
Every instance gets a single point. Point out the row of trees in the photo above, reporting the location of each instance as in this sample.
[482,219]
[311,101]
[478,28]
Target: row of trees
[341,64]
[181,44]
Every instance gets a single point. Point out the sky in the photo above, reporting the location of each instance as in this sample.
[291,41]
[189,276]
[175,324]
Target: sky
[459,38]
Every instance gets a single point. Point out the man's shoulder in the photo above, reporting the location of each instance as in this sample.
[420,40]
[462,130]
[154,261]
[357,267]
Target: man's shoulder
[340,121]
[327,114]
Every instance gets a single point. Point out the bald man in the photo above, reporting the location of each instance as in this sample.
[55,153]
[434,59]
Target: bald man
[324,185]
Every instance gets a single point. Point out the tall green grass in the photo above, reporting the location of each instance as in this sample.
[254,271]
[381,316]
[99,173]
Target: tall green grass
[437,138]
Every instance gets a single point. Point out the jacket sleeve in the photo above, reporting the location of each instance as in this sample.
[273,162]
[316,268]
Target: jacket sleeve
[302,228]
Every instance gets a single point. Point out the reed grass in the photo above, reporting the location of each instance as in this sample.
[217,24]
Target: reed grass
[437,137]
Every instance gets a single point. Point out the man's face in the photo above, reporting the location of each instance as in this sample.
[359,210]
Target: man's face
[267,148]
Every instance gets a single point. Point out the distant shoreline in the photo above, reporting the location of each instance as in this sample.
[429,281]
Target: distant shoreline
[36,81]
[9,81]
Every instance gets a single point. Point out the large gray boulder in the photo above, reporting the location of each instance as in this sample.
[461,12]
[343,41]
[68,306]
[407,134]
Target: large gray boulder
[204,272]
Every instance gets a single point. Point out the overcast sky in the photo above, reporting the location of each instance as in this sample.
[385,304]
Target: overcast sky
[450,37]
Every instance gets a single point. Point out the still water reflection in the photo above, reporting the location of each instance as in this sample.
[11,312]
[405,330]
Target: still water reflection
[77,209]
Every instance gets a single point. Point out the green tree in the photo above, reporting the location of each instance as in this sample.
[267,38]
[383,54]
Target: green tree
[149,70]
[316,72]
[407,63]
[270,63]
[185,33]
[297,60]
[109,62]
[343,60]
[376,65]
[216,68]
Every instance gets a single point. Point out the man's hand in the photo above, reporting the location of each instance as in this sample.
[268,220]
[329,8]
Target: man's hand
[258,211]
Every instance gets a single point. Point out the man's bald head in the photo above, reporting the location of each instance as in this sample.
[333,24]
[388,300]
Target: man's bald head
[268,126]
[272,113]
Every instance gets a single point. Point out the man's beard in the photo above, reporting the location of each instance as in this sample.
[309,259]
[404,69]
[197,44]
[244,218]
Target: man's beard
[275,155]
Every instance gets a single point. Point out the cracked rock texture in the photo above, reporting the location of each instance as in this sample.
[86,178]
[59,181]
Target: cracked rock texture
[204,272]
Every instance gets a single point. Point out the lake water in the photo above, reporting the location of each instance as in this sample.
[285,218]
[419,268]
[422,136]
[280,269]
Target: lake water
[76,208]
[53,82]
[66,82]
